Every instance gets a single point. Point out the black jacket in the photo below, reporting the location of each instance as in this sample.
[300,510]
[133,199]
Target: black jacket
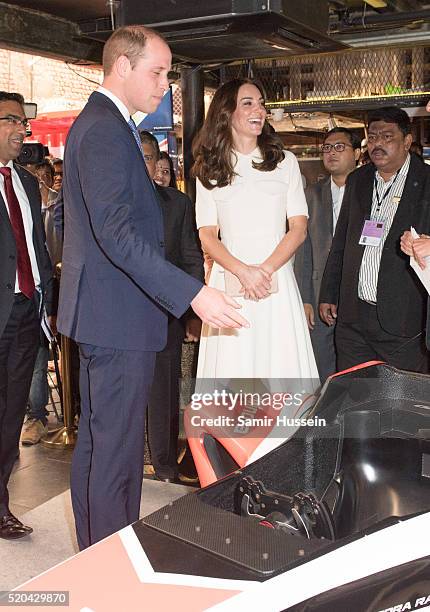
[8,256]
[181,243]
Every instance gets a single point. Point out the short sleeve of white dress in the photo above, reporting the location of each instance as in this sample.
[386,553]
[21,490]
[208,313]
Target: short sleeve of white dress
[296,201]
[206,210]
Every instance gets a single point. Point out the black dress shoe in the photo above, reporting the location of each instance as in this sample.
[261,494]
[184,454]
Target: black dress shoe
[173,480]
[11,528]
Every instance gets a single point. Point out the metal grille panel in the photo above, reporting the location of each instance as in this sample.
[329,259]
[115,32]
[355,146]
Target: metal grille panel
[354,74]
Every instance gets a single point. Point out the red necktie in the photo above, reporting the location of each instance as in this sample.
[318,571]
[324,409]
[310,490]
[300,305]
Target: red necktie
[25,274]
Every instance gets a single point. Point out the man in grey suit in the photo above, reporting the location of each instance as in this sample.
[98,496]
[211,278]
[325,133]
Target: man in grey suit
[341,151]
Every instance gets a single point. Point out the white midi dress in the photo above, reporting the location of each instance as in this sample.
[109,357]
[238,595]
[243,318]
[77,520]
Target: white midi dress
[251,215]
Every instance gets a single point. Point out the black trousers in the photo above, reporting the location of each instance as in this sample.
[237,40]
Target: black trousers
[19,344]
[365,340]
[322,338]
[163,405]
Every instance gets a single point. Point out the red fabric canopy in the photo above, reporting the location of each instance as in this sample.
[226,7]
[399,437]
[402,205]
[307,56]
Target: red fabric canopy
[51,129]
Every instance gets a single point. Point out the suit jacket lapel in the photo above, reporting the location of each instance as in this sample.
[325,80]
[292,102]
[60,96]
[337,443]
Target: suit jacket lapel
[409,199]
[4,215]
[366,192]
[29,188]
[327,204]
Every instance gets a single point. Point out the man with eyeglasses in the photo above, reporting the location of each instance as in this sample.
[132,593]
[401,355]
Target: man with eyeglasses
[26,286]
[340,151]
[368,286]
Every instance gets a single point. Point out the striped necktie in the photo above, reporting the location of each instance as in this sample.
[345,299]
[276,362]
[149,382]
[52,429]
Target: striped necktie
[135,131]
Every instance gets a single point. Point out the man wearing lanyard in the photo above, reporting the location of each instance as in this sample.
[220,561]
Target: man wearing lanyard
[25,274]
[368,285]
[340,151]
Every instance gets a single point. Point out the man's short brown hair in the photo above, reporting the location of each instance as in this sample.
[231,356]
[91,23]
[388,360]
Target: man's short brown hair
[129,41]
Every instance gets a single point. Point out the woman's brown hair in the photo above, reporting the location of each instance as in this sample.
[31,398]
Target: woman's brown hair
[213,145]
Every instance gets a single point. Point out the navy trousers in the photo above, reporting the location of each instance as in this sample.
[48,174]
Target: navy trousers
[107,465]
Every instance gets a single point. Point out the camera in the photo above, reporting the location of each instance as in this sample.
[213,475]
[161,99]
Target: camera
[32,153]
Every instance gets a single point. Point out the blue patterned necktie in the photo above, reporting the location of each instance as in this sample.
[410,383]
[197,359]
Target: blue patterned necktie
[135,131]
[136,135]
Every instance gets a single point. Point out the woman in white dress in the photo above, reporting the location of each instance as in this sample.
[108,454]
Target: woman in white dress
[247,188]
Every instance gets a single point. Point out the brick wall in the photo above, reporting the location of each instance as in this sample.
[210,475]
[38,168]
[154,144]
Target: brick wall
[50,83]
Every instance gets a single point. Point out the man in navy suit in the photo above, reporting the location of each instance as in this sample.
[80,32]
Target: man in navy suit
[116,286]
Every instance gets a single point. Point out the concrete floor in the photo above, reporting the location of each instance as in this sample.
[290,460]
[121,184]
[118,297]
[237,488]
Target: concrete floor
[40,497]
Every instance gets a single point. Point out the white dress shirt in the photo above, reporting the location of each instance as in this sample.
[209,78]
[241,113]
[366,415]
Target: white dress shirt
[336,199]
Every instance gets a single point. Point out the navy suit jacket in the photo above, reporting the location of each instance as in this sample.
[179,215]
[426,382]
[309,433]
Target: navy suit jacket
[116,286]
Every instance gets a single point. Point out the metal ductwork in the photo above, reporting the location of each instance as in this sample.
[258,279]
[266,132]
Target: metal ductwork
[224,30]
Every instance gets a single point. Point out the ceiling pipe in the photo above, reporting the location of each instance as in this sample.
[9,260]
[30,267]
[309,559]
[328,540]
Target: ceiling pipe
[381,19]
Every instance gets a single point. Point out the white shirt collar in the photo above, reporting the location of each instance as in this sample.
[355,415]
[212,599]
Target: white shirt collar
[403,170]
[118,103]
[335,189]
[8,165]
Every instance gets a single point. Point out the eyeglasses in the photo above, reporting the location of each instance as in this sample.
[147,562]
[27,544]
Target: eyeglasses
[12,120]
[339,147]
[384,136]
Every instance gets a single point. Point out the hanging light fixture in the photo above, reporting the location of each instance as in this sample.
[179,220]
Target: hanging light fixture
[376,3]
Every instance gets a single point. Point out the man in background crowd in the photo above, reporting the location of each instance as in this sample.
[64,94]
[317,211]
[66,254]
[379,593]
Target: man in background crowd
[45,174]
[26,287]
[35,427]
[368,285]
[341,151]
[182,249]
[58,174]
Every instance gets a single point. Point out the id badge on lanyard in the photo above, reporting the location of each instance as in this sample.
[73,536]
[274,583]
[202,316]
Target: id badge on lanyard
[372,233]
